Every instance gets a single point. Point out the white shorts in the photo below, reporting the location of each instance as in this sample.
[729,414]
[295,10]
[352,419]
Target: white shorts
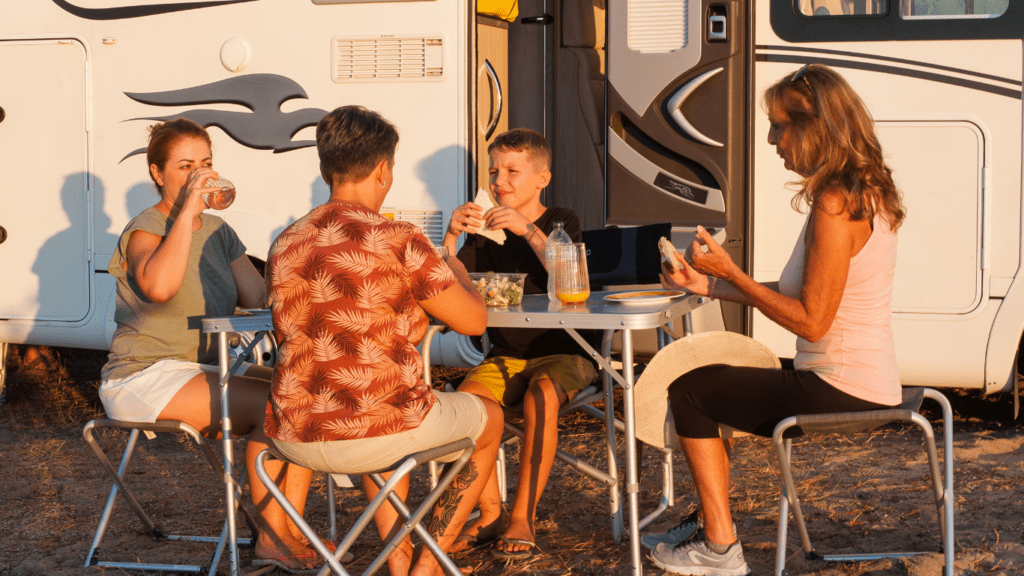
[454,416]
[142,396]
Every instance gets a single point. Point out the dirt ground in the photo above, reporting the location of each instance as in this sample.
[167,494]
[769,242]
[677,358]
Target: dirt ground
[863,493]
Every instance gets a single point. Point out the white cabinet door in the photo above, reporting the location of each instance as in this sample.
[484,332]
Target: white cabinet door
[44,181]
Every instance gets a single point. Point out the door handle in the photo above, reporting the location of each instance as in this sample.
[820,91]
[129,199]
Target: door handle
[493,124]
[3,234]
[676,102]
[543,19]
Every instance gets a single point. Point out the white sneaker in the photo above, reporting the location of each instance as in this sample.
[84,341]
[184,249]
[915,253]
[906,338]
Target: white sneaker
[695,557]
[686,528]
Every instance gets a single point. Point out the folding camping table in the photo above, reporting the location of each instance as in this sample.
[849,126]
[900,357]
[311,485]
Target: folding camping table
[259,322]
[598,313]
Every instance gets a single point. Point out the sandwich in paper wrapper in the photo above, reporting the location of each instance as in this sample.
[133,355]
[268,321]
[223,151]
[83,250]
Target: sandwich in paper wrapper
[484,200]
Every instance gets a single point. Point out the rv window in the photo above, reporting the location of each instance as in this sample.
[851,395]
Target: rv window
[947,9]
[834,8]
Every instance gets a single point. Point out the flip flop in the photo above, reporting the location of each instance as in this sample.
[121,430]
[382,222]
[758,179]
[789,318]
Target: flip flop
[518,555]
[279,561]
[486,535]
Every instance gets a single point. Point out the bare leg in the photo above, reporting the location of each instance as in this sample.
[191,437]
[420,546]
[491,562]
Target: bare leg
[540,409]
[490,511]
[709,466]
[490,497]
[296,479]
[198,404]
[389,522]
[462,495]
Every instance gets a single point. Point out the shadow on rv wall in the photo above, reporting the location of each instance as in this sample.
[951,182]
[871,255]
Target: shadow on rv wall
[319,193]
[139,197]
[61,263]
[434,171]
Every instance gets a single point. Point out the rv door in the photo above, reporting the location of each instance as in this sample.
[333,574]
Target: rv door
[44,176]
[677,116]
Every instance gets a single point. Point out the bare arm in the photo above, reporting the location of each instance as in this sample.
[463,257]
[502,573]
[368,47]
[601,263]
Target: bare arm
[252,290]
[510,219]
[832,240]
[158,263]
[460,306]
[466,218]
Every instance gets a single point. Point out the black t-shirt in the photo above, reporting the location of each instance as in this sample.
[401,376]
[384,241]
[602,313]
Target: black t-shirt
[481,254]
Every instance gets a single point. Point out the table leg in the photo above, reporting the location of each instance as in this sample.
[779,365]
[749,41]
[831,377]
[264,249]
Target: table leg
[632,484]
[229,460]
[615,501]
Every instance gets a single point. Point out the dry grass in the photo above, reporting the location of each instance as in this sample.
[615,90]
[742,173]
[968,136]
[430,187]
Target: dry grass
[858,493]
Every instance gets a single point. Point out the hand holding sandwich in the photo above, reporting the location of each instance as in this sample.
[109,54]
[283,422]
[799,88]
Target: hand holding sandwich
[466,218]
[708,266]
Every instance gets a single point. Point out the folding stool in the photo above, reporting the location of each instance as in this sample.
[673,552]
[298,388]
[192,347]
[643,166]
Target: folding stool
[401,469]
[848,423]
[118,475]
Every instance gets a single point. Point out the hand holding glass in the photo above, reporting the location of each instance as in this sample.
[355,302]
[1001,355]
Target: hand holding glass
[572,282]
[222,198]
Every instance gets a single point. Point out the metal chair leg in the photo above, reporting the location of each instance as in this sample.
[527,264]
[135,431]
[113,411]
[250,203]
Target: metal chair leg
[119,487]
[413,520]
[942,483]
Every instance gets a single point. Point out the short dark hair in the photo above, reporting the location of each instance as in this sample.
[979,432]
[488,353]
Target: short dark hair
[524,140]
[352,140]
[163,137]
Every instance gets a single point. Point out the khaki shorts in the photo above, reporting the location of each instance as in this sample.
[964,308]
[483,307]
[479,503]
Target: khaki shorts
[509,378]
[454,416]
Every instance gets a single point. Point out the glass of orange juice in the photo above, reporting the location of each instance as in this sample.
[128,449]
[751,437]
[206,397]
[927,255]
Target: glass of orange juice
[572,282]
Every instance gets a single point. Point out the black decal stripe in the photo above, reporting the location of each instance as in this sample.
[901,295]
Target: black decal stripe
[125,12]
[895,70]
[892,59]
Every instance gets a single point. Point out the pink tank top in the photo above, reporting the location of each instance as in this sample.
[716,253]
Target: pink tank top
[857,354]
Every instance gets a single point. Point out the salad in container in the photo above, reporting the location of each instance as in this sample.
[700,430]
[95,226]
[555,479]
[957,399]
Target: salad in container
[500,288]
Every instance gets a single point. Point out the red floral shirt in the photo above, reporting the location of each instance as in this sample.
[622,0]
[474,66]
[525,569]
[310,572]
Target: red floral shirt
[344,283]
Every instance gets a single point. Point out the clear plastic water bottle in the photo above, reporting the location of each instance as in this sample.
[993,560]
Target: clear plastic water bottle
[557,236]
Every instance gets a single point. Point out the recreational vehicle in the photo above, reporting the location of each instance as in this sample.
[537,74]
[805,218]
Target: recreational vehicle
[652,108]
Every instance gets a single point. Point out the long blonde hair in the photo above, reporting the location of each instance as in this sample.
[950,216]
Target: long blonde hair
[835,142]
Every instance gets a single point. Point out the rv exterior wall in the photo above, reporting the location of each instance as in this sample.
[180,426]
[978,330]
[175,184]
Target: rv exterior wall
[953,139]
[115,62]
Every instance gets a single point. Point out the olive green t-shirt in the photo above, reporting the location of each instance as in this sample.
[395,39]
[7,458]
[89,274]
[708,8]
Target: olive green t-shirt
[148,332]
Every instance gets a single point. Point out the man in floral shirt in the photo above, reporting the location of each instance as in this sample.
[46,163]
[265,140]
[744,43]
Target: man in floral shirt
[350,291]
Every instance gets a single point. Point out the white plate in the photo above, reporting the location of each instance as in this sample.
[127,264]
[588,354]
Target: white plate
[644,296]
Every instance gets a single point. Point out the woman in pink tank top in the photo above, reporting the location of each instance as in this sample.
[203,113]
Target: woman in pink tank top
[834,295]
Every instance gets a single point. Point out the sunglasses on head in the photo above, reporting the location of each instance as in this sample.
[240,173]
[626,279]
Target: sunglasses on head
[801,75]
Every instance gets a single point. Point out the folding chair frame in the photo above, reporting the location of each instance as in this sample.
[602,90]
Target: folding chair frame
[823,423]
[401,470]
[583,401]
[160,426]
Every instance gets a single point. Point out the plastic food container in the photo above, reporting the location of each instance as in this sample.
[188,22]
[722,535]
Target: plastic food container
[500,289]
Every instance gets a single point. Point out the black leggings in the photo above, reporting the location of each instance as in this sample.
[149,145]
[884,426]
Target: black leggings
[752,399]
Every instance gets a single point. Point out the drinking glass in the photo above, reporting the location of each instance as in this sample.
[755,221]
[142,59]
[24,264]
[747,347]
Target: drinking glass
[220,199]
[572,283]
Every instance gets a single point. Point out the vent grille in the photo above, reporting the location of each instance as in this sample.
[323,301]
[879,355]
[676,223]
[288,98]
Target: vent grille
[387,59]
[656,26]
[431,222]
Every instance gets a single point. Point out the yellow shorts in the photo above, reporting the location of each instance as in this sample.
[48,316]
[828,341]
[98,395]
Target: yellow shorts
[509,378]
